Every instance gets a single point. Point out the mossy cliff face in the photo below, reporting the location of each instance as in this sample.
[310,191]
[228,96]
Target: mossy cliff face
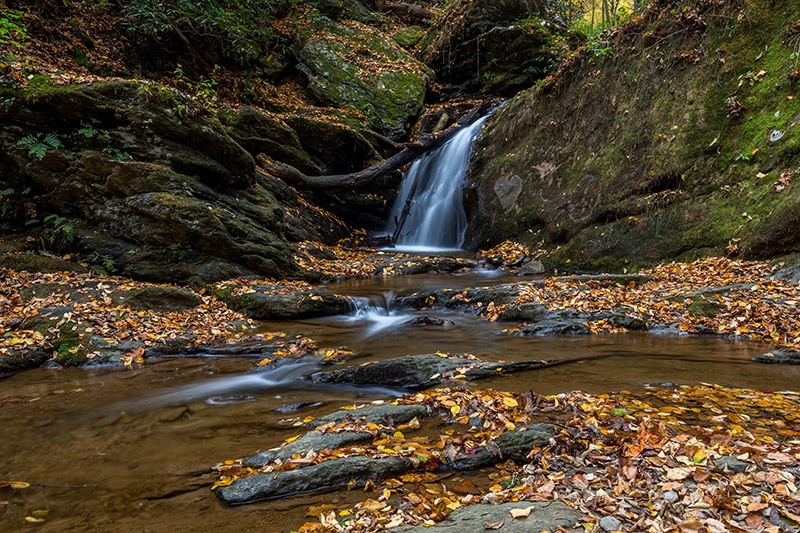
[674,137]
[357,66]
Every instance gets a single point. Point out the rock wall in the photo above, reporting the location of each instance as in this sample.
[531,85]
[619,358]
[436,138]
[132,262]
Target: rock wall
[673,137]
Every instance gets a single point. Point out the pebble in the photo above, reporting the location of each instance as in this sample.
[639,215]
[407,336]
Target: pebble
[609,523]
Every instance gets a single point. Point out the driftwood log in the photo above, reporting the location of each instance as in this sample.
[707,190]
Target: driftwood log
[409,153]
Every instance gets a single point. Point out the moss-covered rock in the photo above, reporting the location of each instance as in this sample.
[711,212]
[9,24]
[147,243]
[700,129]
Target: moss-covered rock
[629,156]
[159,189]
[356,66]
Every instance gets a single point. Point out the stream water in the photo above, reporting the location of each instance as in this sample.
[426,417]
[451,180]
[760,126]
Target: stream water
[109,449]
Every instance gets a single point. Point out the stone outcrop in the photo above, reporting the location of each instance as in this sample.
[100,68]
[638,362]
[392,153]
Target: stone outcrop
[628,155]
[356,66]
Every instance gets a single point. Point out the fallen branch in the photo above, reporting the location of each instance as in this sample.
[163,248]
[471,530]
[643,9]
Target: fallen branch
[410,152]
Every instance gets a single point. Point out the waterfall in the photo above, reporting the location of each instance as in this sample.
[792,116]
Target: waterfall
[436,220]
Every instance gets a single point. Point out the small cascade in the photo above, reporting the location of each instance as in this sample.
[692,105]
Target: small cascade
[378,312]
[433,186]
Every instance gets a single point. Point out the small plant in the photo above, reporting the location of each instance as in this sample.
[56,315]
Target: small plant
[101,263]
[38,145]
[13,205]
[10,31]
[90,131]
[7,102]
[57,234]
[598,48]
[120,154]
[203,92]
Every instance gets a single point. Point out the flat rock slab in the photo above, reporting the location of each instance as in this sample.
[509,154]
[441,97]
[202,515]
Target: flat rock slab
[331,474]
[544,516]
[417,372]
[265,302]
[311,441]
[375,414]
[514,445]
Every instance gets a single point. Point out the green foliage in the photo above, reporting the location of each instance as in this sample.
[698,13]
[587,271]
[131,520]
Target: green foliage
[598,48]
[16,205]
[6,102]
[38,145]
[11,32]
[57,234]
[101,263]
[240,27]
[202,92]
[120,154]
[90,131]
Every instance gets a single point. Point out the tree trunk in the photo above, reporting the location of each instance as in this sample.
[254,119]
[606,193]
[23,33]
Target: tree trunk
[410,152]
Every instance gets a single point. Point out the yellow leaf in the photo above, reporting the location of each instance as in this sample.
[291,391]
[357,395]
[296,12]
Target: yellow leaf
[455,409]
[510,402]
[521,513]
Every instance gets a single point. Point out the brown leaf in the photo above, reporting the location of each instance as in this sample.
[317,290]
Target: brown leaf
[494,525]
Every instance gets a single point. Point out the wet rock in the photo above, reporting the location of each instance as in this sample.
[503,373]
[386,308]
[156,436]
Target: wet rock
[376,414]
[331,474]
[514,445]
[22,360]
[561,323]
[531,268]
[499,45]
[311,441]
[271,302]
[783,357]
[178,201]
[159,299]
[428,320]
[544,516]
[465,301]
[417,372]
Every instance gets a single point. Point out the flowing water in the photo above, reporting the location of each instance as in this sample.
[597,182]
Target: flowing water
[433,186]
[110,449]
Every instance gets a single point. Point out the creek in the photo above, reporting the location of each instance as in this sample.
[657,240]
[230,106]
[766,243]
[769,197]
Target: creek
[112,449]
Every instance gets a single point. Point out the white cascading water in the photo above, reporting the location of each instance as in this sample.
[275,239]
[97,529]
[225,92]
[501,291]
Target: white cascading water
[437,220]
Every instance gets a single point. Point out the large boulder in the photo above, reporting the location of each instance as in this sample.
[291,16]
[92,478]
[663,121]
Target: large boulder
[356,66]
[138,177]
[625,159]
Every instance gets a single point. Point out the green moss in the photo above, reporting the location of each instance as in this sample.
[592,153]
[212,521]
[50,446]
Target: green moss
[72,343]
[701,306]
